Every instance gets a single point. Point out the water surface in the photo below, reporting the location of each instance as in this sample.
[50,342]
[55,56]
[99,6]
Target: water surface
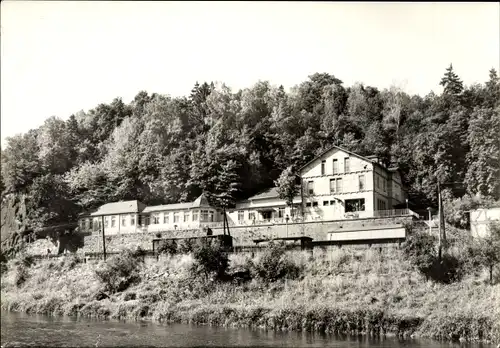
[19,329]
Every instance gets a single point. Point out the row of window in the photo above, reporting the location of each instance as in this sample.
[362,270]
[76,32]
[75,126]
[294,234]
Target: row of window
[280,213]
[335,166]
[336,185]
[381,204]
[350,204]
[111,221]
[205,216]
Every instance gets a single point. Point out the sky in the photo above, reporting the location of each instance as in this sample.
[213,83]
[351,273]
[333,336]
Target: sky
[58,58]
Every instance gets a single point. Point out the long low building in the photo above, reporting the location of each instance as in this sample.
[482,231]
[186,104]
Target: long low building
[336,185]
[136,217]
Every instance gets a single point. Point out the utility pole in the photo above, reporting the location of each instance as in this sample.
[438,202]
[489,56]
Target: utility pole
[103,239]
[440,215]
[224,219]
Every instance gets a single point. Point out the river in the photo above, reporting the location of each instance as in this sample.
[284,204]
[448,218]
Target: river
[18,329]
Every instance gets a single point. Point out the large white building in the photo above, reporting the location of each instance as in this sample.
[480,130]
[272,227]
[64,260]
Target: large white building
[338,184]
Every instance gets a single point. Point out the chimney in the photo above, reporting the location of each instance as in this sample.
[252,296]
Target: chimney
[374,159]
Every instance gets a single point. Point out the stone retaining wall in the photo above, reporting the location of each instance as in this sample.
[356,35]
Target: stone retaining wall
[242,235]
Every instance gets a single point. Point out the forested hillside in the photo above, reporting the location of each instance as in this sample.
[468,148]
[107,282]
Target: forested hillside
[232,144]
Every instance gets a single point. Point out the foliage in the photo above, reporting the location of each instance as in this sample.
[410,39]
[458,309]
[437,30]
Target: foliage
[168,247]
[232,144]
[287,189]
[487,248]
[275,264]
[119,271]
[210,259]
[421,249]
[457,210]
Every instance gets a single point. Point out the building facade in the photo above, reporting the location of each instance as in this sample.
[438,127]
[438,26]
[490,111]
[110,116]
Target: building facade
[136,217]
[338,184]
[480,220]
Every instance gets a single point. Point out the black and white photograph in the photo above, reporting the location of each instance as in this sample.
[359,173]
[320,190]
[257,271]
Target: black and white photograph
[250,174]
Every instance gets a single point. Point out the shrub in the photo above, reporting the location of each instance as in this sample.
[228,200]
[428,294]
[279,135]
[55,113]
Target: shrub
[186,246]
[21,275]
[274,264]
[210,259]
[421,251]
[120,271]
[168,247]
[486,250]
[3,262]
[71,261]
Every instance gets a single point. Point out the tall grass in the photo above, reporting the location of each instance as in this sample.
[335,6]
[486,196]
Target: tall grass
[339,290]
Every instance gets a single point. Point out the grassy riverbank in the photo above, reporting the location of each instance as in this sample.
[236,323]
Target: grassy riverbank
[339,291]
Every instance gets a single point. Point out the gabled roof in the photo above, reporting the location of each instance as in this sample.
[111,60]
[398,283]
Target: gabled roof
[115,208]
[175,206]
[200,202]
[341,149]
[268,193]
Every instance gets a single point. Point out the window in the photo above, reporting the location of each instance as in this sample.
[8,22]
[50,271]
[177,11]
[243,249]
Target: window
[346,165]
[251,215]
[96,225]
[204,216]
[361,182]
[124,220]
[113,221]
[310,187]
[281,213]
[383,183]
[315,204]
[308,204]
[241,215]
[90,224]
[211,216]
[156,219]
[186,216]
[294,211]
[176,217]
[332,202]
[352,205]
[326,203]
[166,218]
[106,221]
[378,182]
[332,185]
[195,215]
[338,185]
[132,220]
[335,166]
[323,169]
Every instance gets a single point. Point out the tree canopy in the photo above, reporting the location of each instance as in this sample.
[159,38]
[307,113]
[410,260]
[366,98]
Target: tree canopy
[233,144]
